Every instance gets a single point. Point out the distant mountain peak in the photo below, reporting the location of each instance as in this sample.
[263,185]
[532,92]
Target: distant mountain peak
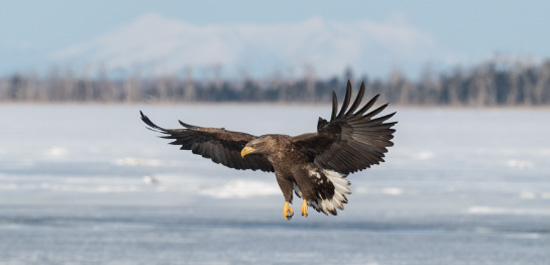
[170,45]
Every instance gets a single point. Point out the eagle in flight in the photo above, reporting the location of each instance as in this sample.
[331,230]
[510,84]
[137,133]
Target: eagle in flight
[314,166]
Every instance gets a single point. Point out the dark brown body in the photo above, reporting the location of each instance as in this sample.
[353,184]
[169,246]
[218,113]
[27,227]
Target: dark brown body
[291,167]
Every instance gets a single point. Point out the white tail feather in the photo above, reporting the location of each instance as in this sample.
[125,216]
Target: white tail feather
[339,182]
[340,189]
[338,199]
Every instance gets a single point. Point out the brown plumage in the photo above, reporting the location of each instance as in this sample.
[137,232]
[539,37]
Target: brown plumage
[312,165]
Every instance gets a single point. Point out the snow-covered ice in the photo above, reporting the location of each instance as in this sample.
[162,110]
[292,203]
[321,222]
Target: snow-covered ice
[88,184]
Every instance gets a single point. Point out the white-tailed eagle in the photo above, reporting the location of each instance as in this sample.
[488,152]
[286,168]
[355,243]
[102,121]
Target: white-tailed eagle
[314,166]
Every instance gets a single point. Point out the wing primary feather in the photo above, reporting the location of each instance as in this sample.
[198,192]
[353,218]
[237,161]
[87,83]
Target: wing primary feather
[367,106]
[375,112]
[152,126]
[346,101]
[334,106]
[382,119]
[188,126]
[354,139]
[358,99]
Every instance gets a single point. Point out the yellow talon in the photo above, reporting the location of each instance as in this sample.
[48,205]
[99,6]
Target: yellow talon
[287,212]
[304,208]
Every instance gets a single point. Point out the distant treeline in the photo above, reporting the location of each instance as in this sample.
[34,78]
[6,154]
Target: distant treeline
[489,84]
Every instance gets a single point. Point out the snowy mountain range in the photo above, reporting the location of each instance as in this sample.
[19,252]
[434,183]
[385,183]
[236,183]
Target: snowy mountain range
[163,45]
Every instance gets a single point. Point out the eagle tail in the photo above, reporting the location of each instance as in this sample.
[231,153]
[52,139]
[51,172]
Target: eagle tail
[328,204]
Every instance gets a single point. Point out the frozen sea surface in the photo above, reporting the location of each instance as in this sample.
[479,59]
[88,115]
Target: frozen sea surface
[89,185]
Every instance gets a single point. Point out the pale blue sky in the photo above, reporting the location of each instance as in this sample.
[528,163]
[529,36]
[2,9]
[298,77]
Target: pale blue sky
[32,30]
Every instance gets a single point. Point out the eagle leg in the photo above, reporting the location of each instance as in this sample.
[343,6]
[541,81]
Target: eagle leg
[287,211]
[304,208]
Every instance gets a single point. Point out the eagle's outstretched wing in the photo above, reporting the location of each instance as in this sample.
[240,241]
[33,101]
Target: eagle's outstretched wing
[352,140]
[218,144]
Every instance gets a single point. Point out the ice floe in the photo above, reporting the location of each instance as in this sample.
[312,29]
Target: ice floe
[424,155]
[56,151]
[527,195]
[393,191]
[486,210]
[134,161]
[243,189]
[151,180]
[519,164]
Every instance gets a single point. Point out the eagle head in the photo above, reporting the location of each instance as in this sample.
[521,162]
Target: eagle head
[261,145]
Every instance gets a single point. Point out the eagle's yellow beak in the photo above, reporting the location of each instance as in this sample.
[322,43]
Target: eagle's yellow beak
[246,151]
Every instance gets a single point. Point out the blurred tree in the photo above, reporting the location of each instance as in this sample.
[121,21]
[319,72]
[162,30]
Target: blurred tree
[494,83]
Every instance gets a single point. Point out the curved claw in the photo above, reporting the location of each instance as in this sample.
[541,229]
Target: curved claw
[304,210]
[287,212]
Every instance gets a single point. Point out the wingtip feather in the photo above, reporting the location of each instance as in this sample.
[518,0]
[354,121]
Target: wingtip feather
[151,126]
[186,125]
[358,99]
[334,106]
[347,99]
